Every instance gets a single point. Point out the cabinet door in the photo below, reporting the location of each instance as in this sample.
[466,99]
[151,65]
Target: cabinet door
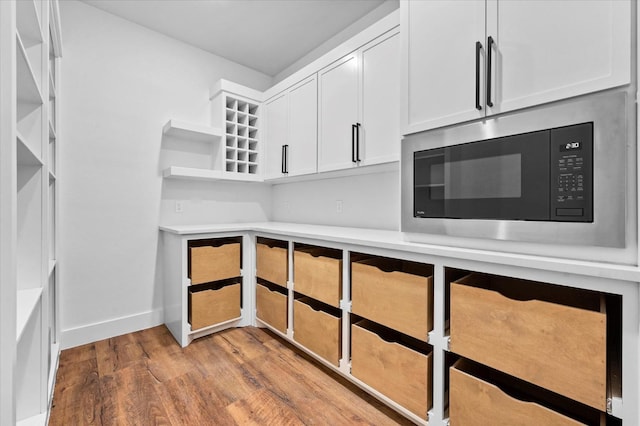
[276,133]
[550,50]
[338,105]
[380,130]
[439,60]
[303,128]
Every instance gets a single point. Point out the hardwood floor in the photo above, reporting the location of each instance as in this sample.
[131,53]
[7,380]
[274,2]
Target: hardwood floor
[243,376]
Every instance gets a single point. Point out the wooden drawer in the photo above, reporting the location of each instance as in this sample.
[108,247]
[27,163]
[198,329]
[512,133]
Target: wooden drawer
[271,307]
[395,293]
[402,374]
[213,306]
[552,336]
[318,274]
[474,401]
[272,263]
[317,330]
[213,263]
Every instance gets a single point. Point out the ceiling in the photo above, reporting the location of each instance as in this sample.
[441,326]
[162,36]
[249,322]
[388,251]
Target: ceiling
[266,35]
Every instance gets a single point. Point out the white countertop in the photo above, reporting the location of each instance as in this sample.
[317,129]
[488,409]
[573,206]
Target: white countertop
[394,240]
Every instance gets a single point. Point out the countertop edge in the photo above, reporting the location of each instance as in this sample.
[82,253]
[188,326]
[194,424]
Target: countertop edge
[393,240]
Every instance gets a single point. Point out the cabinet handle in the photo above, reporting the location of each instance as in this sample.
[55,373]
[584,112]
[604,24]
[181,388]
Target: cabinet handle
[478,49]
[286,159]
[353,143]
[489,50]
[358,142]
[282,159]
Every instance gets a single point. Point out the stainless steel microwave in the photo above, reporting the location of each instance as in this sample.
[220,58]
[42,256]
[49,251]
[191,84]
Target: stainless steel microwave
[558,174]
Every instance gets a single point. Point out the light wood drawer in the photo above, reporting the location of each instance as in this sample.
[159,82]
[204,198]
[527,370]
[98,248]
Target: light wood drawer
[272,263]
[395,293]
[473,401]
[213,306]
[552,336]
[317,330]
[271,308]
[213,263]
[402,374]
[319,275]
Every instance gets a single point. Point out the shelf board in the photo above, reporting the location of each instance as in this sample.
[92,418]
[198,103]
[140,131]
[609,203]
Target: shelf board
[28,21]
[52,265]
[27,87]
[52,176]
[207,174]
[25,155]
[26,306]
[190,131]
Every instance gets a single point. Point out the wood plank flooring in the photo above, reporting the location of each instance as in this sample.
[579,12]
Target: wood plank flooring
[243,376]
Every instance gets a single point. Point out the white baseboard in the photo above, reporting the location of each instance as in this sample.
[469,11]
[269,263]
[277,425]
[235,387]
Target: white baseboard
[90,333]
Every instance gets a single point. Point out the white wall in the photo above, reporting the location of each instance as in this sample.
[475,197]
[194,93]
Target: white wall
[368,201]
[120,84]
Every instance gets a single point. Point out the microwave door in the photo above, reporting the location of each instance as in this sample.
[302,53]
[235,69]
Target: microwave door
[504,178]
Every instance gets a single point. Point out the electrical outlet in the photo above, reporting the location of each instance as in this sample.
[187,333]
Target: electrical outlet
[179,206]
[338,206]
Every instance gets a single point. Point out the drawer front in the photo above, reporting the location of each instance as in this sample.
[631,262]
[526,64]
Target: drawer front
[271,307]
[214,263]
[209,307]
[399,300]
[557,347]
[319,277]
[396,371]
[473,401]
[271,264]
[318,331]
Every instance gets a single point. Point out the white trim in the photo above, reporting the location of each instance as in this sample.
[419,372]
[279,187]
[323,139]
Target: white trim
[90,333]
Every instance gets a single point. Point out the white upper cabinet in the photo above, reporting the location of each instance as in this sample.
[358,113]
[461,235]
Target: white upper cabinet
[338,104]
[439,53]
[464,60]
[275,113]
[380,131]
[549,50]
[302,154]
[291,130]
[359,104]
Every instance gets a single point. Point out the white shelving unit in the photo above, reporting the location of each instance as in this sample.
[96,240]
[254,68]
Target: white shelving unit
[236,109]
[202,174]
[213,136]
[194,132]
[241,135]
[28,307]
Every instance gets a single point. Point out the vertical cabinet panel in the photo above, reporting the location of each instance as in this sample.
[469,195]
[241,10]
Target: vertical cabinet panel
[338,87]
[380,132]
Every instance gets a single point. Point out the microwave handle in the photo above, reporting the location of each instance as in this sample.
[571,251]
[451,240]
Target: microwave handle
[478,49]
[490,44]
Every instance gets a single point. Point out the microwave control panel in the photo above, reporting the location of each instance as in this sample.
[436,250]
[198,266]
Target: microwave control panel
[571,183]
